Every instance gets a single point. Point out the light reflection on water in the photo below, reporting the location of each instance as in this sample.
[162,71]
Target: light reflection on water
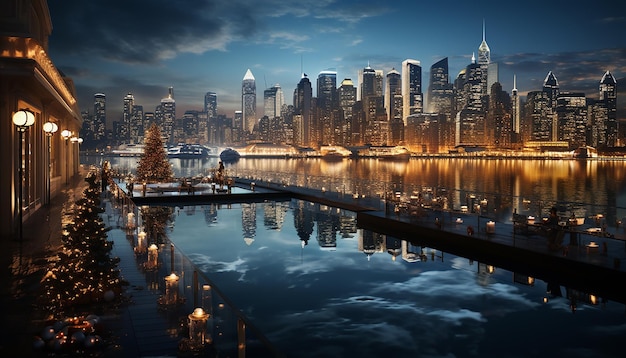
[318,286]
[532,186]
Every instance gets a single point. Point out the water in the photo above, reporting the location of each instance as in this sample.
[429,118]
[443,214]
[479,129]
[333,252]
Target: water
[318,286]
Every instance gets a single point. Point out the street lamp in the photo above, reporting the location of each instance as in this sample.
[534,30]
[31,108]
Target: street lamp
[22,119]
[49,128]
[66,134]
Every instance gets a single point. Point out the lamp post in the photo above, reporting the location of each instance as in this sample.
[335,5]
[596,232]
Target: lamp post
[22,119]
[66,134]
[49,128]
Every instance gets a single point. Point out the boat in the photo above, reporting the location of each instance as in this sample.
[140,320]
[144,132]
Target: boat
[386,152]
[331,152]
[229,155]
[128,150]
[188,151]
[585,152]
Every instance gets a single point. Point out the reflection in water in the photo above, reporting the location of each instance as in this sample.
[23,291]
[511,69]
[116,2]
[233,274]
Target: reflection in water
[347,284]
[583,187]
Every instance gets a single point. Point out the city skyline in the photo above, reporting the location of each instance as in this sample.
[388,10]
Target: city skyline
[112,50]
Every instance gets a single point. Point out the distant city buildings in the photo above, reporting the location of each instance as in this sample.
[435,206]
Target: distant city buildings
[473,112]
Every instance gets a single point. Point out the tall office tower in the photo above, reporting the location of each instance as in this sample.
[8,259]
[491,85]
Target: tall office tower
[148,120]
[515,112]
[326,105]
[238,127]
[608,95]
[551,88]
[367,83]
[127,114]
[470,126]
[499,125]
[413,100]
[347,99]
[538,114]
[302,101]
[248,101]
[136,125]
[393,87]
[210,105]
[99,116]
[571,112]
[440,90]
[273,101]
[484,60]
[166,115]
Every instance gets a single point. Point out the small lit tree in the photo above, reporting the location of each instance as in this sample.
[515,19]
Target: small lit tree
[153,165]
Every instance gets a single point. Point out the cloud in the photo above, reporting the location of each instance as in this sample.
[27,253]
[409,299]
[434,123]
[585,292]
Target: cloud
[147,31]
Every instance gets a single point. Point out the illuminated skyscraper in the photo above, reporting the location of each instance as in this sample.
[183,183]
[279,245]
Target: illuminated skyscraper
[248,101]
[515,111]
[392,88]
[551,89]
[327,104]
[413,100]
[166,115]
[210,105]
[571,112]
[440,90]
[271,109]
[127,114]
[347,99]
[99,116]
[608,95]
[302,98]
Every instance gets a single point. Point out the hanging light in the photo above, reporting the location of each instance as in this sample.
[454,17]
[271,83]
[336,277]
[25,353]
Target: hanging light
[23,119]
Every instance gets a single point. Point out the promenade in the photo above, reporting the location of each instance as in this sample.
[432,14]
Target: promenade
[141,328]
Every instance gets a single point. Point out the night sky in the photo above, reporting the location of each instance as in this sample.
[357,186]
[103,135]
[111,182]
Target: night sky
[145,46]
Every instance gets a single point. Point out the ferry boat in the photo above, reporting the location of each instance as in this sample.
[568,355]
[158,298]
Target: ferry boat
[386,152]
[188,151]
[334,152]
[585,152]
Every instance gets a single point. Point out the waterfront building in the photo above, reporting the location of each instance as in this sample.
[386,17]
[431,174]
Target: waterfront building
[37,167]
[326,105]
[411,88]
[422,132]
[538,115]
[441,100]
[248,102]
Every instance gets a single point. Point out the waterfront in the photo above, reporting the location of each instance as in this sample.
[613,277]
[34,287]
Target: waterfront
[585,188]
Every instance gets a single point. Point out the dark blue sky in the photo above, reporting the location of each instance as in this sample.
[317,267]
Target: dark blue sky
[146,46]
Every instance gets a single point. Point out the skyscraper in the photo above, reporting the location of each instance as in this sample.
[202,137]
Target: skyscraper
[127,114]
[326,104]
[413,100]
[608,95]
[273,101]
[248,101]
[210,105]
[347,99]
[302,99]
[166,115]
[99,116]
[515,112]
[440,90]
[551,89]
[393,87]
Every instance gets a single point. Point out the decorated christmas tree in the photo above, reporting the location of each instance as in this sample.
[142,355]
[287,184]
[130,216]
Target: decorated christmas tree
[153,165]
[84,272]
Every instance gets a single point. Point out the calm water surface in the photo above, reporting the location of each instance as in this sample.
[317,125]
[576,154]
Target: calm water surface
[319,287]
